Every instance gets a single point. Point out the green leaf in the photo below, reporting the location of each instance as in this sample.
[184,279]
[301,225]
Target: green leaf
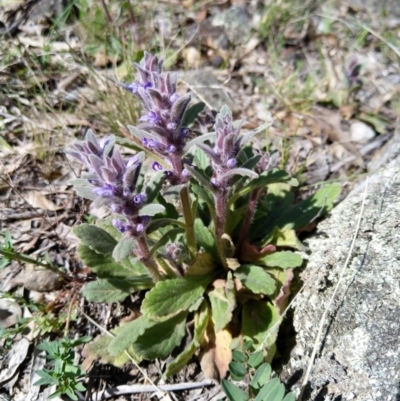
[153,187]
[273,390]
[244,172]
[256,279]
[169,236]
[123,249]
[201,319]
[284,260]
[103,291]
[262,375]
[201,160]
[286,238]
[170,297]
[205,238]
[256,359]
[85,191]
[289,397]
[155,224]
[223,302]
[205,195]
[151,209]
[203,180]
[114,290]
[238,370]
[96,238]
[238,356]
[128,334]
[192,113]
[260,322]
[181,360]
[98,349]
[106,266]
[233,392]
[304,212]
[159,340]
[264,179]
[202,265]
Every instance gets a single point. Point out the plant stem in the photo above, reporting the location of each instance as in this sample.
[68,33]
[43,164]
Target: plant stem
[20,257]
[220,206]
[148,260]
[251,208]
[187,214]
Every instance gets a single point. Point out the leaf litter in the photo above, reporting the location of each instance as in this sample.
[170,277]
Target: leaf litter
[329,122]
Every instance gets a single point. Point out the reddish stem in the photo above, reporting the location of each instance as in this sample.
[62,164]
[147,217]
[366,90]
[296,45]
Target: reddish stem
[251,209]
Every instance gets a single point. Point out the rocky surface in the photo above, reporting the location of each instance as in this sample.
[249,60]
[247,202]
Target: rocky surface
[358,357]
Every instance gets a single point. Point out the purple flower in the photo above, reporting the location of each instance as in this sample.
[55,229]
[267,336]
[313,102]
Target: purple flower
[113,180]
[157,166]
[163,113]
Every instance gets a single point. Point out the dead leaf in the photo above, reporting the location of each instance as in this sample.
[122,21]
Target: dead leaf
[223,353]
[37,200]
[217,355]
[14,359]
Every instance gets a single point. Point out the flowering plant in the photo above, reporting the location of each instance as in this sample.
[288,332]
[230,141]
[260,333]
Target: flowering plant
[204,232]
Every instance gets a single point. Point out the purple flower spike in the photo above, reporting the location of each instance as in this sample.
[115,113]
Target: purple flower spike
[163,114]
[112,179]
[121,226]
[105,191]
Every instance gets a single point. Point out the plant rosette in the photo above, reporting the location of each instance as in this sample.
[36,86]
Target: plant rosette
[209,234]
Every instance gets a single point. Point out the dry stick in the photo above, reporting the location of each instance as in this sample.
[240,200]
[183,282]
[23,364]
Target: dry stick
[321,326]
[162,394]
[138,388]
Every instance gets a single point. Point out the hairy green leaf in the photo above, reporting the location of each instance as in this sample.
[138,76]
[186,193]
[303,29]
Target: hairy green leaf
[264,179]
[85,191]
[201,319]
[259,322]
[98,349]
[123,249]
[233,392]
[201,160]
[153,187]
[309,209]
[159,340]
[151,209]
[205,238]
[256,279]
[170,297]
[167,237]
[284,260]
[203,180]
[202,265]
[181,360]
[96,238]
[115,290]
[107,267]
[223,302]
[192,113]
[128,334]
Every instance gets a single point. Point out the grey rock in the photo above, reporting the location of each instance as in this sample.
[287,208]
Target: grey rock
[359,353]
[235,21]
